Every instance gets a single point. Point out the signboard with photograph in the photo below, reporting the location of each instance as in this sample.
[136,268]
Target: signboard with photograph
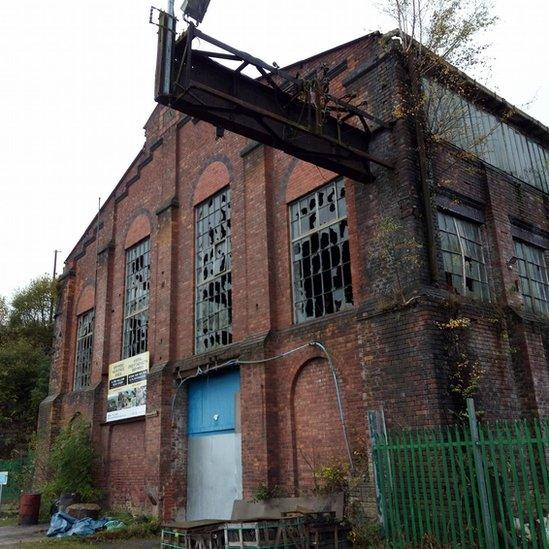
[127,392]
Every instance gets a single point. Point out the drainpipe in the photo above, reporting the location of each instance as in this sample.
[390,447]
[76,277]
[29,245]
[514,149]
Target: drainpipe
[424,170]
[339,403]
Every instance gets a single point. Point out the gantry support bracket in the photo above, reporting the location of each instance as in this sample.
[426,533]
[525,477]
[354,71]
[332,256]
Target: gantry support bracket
[278,109]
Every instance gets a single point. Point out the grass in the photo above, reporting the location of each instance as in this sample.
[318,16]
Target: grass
[146,527]
[140,527]
[8,521]
[9,515]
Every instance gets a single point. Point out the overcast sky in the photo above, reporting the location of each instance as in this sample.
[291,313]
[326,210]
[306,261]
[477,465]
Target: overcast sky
[76,87]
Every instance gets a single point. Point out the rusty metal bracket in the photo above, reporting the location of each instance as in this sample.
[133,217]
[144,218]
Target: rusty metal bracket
[296,115]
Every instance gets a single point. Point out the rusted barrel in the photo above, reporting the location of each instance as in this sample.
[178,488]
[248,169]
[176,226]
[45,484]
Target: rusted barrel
[29,509]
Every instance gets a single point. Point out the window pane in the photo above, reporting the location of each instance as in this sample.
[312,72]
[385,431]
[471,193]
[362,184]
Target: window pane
[213,310]
[471,128]
[320,254]
[136,306]
[533,278]
[84,345]
[462,257]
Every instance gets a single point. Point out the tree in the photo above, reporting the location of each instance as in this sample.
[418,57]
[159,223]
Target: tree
[31,305]
[24,371]
[443,31]
[393,253]
[26,338]
[4,311]
[29,313]
[437,37]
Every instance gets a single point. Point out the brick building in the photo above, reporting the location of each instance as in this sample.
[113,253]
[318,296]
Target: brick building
[213,249]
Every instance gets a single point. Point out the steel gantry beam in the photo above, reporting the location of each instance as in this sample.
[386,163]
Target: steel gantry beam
[278,109]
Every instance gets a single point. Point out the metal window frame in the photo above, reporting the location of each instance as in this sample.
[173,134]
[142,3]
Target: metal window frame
[82,365]
[309,233]
[480,243]
[542,284]
[141,311]
[227,271]
[507,149]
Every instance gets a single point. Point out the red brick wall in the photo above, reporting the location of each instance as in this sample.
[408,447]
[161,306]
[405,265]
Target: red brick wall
[315,423]
[123,466]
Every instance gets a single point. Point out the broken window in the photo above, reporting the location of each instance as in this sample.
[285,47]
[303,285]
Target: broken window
[213,272]
[84,343]
[533,279]
[464,266]
[136,308]
[321,261]
[470,127]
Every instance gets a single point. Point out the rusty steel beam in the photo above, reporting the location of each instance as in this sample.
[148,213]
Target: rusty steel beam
[259,109]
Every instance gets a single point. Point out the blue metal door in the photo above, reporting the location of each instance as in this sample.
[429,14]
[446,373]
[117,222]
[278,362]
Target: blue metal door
[214,476]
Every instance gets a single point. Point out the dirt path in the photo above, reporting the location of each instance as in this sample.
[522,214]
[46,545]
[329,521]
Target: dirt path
[12,536]
[26,537]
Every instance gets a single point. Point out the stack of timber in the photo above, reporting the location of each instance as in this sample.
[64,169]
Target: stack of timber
[311,531]
[196,534]
[262,534]
[278,523]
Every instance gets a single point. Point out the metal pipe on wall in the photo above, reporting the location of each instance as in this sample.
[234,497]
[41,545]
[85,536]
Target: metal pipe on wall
[237,362]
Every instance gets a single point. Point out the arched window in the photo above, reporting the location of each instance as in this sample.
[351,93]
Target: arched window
[136,299]
[213,313]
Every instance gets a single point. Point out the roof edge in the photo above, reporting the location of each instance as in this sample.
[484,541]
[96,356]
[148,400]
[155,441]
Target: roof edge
[485,91]
[335,48]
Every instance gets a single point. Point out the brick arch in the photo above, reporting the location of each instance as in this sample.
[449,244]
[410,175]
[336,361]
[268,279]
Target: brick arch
[317,438]
[139,229]
[86,299]
[304,178]
[213,179]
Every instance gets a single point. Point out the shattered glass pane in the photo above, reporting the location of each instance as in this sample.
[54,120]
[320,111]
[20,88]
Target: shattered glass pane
[84,344]
[136,306]
[213,272]
[320,253]
[462,256]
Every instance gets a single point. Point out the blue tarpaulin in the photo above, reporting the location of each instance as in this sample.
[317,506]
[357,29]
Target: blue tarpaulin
[63,525]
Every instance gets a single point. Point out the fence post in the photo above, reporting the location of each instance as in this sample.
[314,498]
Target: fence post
[481,476]
[378,432]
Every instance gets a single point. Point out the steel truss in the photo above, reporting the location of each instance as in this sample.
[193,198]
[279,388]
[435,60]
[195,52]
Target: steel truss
[296,115]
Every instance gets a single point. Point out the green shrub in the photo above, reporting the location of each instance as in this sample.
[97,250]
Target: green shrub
[330,479]
[364,532]
[71,462]
[263,492]
[137,527]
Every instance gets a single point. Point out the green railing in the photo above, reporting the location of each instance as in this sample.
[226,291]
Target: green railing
[478,485]
[14,468]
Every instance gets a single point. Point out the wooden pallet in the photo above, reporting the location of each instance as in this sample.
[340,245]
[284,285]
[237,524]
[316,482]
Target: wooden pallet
[193,535]
[290,533]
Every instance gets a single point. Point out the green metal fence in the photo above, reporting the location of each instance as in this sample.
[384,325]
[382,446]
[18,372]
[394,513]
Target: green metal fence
[14,468]
[481,485]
